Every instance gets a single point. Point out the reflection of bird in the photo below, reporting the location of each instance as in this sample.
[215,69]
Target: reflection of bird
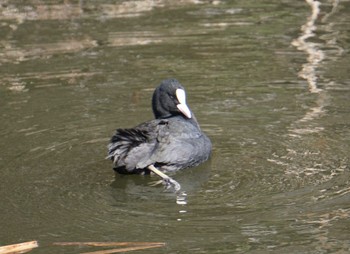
[170,142]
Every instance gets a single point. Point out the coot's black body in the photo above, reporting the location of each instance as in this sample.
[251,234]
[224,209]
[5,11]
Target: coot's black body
[170,142]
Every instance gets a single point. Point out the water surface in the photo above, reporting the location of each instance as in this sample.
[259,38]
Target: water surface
[268,82]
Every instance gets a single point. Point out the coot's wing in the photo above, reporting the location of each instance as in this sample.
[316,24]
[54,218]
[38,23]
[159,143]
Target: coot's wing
[178,144]
[130,148]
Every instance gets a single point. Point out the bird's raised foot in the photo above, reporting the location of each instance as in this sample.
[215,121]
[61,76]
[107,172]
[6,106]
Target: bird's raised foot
[167,181]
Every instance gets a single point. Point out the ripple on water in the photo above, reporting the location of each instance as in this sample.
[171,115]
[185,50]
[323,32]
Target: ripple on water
[278,179]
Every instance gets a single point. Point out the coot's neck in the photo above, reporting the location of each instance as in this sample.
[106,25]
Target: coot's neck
[192,120]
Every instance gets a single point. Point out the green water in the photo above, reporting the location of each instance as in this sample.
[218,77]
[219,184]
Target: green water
[268,81]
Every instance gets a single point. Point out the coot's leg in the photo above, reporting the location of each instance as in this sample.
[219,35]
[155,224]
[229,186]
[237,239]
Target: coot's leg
[168,180]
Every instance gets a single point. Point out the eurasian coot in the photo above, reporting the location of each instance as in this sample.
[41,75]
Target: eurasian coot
[168,143]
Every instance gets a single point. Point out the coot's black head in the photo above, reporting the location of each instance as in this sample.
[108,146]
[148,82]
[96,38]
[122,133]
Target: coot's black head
[169,99]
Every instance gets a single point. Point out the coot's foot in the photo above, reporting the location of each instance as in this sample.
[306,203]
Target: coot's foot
[171,182]
[167,181]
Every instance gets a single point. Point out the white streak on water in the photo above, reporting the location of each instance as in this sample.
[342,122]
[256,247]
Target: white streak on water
[315,54]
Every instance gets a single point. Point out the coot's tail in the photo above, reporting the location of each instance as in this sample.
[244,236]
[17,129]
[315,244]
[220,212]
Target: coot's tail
[120,145]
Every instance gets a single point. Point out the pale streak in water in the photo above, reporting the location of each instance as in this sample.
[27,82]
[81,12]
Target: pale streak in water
[308,72]
[315,55]
[306,124]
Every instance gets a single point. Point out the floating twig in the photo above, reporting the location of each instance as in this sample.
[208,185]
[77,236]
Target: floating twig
[18,247]
[124,249]
[108,244]
[128,246]
[125,246]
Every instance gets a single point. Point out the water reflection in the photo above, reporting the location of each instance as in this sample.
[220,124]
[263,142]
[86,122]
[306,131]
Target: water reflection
[134,38]
[191,180]
[325,172]
[315,54]
[72,10]
[315,57]
[20,13]
[278,180]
